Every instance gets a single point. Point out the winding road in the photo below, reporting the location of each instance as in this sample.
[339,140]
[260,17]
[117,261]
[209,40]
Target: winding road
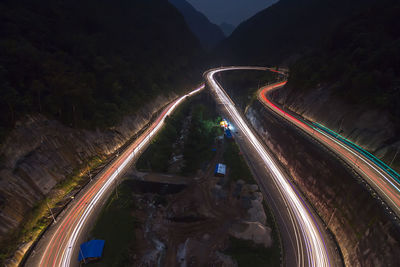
[382,182]
[304,238]
[60,244]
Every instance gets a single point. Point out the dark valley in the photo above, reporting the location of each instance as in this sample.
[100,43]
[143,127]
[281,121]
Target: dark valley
[140,133]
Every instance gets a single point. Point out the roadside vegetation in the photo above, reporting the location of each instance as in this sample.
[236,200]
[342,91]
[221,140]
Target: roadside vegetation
[198,143]
[158,154]
[238,169]
[276,251]
[116,225]
[203,130]
[247,253]
[39,218]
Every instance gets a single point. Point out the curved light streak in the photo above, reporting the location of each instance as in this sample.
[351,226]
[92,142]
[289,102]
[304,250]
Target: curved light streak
[316,251]
[59,250]
[377,177]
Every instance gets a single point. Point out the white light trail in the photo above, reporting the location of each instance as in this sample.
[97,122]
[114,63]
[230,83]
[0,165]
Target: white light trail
[67,251]
[316,250]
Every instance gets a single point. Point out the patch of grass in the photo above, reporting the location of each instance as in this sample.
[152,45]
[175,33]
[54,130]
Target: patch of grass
[236,163]
[247,253]
[116,225]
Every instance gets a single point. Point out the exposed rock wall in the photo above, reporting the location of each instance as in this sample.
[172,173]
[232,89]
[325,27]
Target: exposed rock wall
[372,129]
[366,235]
[41,152]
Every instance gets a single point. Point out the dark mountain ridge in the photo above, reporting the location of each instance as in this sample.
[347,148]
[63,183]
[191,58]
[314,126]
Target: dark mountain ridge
[358,66]
[343,58]
[360,58]
[342,54]
[284,31]
[227,28]
[207,32]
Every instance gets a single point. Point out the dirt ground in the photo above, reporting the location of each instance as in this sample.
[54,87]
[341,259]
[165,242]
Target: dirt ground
[192,227]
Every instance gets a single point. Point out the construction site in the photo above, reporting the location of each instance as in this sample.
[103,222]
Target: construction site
[215,216]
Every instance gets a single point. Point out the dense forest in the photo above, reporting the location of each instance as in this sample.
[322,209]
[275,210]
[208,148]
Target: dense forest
[284,31]
[360,58]
[352,46]
[88,63]
[202,129]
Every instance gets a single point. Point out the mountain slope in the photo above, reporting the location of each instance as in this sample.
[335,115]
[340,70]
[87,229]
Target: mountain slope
[361,57]
[227,28]
[78,79]
[208,33]
[344,64]
[284,30]
[352,79]
[89,63]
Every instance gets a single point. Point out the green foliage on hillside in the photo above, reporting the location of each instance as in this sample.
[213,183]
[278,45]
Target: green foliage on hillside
[360,58]
[88,63]
[157,156]
[203,130]
[236,163]
[198,142]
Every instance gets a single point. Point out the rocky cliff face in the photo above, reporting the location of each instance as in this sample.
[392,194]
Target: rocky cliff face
[40,152]
[365,233]
[374,130]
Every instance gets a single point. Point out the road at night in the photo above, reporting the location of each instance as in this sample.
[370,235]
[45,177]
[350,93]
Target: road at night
[304,238]
[60,244]
[383,184]
[381,180]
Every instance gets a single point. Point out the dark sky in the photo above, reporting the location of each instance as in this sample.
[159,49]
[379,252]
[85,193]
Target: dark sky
[230,11]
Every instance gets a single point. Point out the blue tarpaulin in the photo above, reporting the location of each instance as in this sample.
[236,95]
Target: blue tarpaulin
[220,169]
[228,133]
[91,249]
